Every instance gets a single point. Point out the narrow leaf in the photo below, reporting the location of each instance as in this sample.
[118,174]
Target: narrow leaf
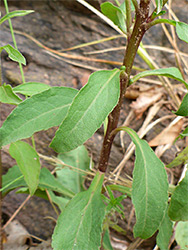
[165,232]
[181,234]
[182,158]
[115,14]
[61,202]
[178,209]
[28,162]
[14,54]
[182,31]
[15,13]
[48,181]
[31,88]
[79,159]
[7,95]
[39,112]
[183,109]
[80,224]
[149,189]
[88,111]
[168,72]
[159,4]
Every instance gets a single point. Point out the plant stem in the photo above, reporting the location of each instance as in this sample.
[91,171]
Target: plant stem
[14,40]
[130,53]
[129,18]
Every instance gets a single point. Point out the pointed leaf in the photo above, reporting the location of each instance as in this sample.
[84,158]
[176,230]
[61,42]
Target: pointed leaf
[181,234]
[80,224]
[115,14]
[48,181]
[183,109]
[178,209]
[39,112]
[172,72]
[15,13]
[79,159]
[28,162]
[12,179]
[159,4]
[14,54]
[182,158]
[165,232]
[182,31]
[7,95]
[149,189]
[88,111]
[31,88]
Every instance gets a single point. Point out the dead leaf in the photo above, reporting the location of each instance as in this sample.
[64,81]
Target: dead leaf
[144,101]
[169,134]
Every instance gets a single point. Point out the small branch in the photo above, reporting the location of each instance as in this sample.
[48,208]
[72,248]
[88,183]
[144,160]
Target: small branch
[157,21]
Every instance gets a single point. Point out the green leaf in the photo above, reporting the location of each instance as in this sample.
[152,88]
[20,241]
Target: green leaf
[88,111]
[182,31]
[184,133]
[183,109]
[7,95]
[72,179]
[149,189]
[122,189]
[14,54]
[172,72]
[178,209]
[31,88]
[106,240]
[48,181]
[28,162]
[39,112]
[165,232]
[159,4]
[115,14]
[15,13]
[182,158]
[12,179]
[181,234]
[61,202]
[80,224]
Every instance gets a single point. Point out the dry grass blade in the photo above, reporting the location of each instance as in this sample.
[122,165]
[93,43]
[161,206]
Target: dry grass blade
[92,43]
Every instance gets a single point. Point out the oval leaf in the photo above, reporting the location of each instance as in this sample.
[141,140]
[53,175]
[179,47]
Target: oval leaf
[79,159]
[39,112]
[115,14]
[172,72]
[181,234]
[15,14]
[48,181]
[14,54]
[183,109]
[31,88]
[88,111]
[7,95]
[12,179]
[150,188]
[182,31]
[178,209]
[80,224]
[28,162]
